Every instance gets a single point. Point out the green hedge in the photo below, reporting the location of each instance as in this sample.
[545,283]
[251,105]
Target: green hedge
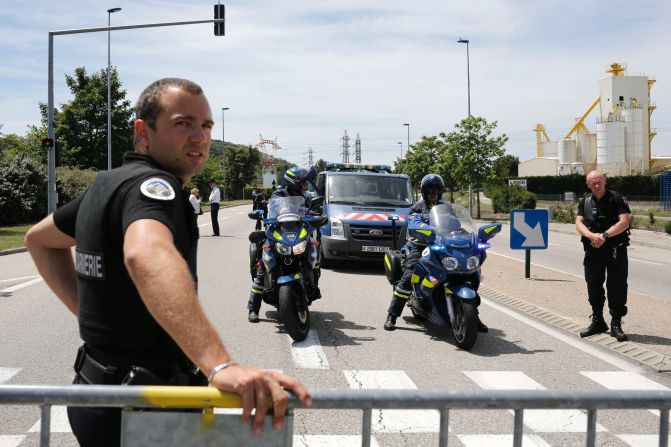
[507,198]
[631,185]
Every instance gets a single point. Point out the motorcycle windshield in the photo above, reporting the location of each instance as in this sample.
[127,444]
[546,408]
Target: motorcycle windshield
[287,209]
[452,221]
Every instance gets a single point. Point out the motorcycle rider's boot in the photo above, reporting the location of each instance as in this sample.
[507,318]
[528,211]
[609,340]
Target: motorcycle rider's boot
[390,324]
[616,329]
[314,293]
[597,326]
[253,317]
[482,327]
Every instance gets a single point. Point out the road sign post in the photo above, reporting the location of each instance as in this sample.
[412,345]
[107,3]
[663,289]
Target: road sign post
[528,231]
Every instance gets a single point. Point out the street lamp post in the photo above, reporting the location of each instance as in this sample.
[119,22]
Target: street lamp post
[468,78]
[109,90]
[407,147]
[222,129]
[399,160]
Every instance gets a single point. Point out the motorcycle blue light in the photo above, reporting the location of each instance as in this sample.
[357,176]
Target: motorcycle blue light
[483,246]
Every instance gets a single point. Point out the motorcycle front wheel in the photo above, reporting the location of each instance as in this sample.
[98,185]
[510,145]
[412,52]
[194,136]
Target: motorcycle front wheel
[294,315]
[465,324]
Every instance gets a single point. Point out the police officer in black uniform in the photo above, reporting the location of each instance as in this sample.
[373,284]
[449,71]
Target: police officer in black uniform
[431,186]
[603,221]
[296,183]
[132,282]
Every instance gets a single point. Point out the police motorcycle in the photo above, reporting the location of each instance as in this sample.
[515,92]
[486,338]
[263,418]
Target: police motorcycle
[444,274]
[289,251]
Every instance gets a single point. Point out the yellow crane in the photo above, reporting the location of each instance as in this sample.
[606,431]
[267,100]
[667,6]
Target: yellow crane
[540,132]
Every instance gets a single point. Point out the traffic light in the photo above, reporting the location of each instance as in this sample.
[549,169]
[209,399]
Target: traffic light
[59,152]
[47,143]
[219,13]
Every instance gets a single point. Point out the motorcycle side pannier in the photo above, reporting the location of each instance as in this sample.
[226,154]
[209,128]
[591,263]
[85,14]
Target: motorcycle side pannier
[393,265]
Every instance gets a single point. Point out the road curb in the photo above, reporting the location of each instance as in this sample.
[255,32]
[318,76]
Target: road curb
[658,361]
[11,251]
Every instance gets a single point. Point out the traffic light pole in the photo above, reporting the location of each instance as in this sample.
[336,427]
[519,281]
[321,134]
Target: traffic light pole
[52,199]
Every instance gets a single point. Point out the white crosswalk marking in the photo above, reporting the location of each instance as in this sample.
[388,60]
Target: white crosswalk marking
[309,353]
[542,421]
[394,421]
[7,373]
[623,380]
[59,421]
[10,441]
[641,440]
[331,441]
[501,441]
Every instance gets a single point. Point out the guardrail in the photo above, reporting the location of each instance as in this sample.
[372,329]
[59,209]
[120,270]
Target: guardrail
[366,400]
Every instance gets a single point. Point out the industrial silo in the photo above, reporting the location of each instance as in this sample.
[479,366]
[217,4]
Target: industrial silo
[587,150]
[568,150]
[549,149]
[609,142]
[633,135]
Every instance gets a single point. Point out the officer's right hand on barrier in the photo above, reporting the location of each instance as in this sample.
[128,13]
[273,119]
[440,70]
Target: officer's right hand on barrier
[256,386]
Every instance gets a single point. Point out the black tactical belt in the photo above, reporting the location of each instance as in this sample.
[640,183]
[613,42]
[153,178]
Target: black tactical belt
[94,372]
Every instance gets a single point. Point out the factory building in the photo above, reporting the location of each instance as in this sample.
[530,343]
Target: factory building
[621,144]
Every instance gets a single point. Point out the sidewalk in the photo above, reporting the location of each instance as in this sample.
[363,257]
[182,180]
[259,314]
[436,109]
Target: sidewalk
[560,299]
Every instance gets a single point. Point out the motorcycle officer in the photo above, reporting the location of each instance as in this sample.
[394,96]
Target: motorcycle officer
[296,182]
[432,186]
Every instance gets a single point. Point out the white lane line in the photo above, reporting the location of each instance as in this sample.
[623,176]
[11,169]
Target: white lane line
[59,421]
[20,286]
[7,373]
[241,212]
[11,440]
[641,440]
[501,440]
[331,441]
[309,353]
[394,421]
[541,421]
[559,271]
[18,278]
[647,262]
[572,340]
[623,380]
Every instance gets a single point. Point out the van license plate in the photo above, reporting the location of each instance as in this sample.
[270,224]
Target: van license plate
[373,248]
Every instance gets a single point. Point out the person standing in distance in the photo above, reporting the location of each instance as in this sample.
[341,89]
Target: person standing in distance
[215,198]
[602,221]
[195,200]
[134,274]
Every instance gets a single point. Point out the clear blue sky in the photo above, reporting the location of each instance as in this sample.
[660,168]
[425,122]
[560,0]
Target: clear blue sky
[305,71]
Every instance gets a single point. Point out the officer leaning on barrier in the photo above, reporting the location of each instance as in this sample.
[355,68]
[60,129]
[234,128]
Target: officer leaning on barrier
[132,282]
[603,221]
[296,183]
[431,186]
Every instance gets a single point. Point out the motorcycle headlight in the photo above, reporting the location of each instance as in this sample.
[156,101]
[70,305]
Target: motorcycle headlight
[282,249]
[472,263]
[449,263]
[337,228]
[300,247]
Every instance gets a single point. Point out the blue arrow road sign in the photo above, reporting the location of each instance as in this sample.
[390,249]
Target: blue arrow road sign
[528,229]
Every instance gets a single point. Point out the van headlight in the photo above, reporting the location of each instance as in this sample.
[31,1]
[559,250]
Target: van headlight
[472,263]
[300,247]
[337,228]
[449,263]
[282,249]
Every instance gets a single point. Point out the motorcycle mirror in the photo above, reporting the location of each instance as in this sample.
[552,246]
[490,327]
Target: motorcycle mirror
[316,202]
[252,215]
[321,221]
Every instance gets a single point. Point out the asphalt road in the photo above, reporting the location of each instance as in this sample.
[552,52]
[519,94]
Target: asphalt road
[349,349]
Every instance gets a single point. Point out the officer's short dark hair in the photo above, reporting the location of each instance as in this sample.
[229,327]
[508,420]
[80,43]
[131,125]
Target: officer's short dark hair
[148,106]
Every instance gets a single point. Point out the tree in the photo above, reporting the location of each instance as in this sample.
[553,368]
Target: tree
[472,145]
[506,166]
[320,165]
[240,167]
[82,123]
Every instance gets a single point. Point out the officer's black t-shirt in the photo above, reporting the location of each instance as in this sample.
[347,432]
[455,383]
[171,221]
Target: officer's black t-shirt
[608,210]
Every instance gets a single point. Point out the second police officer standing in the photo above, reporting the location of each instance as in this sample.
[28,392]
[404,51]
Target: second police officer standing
[296,183]
[432,186]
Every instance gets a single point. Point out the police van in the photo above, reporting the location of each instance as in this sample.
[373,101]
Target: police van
[358,200]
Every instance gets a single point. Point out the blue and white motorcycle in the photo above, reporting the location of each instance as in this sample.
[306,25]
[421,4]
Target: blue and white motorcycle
[448,272]
[288,251]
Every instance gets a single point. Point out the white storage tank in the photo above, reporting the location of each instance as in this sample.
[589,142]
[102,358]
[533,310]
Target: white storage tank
[587,148]
[633,134]
[568,150]
[609,142]
[549,149]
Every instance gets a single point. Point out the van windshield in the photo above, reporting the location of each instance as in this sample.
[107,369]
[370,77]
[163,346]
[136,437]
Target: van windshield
[372,190]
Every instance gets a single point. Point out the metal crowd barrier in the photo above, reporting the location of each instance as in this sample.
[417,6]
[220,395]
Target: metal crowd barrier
[203,424]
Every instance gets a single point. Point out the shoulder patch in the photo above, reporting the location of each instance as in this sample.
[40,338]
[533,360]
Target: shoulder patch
[157,188]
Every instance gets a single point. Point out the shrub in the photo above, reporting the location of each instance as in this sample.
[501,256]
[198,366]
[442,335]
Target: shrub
[23,190]
[72,182]
[565,213]
[651,217]
[667,227]
[507,198]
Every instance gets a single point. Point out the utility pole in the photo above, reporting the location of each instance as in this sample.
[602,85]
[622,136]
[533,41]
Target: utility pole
[345,147]
[357,149]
